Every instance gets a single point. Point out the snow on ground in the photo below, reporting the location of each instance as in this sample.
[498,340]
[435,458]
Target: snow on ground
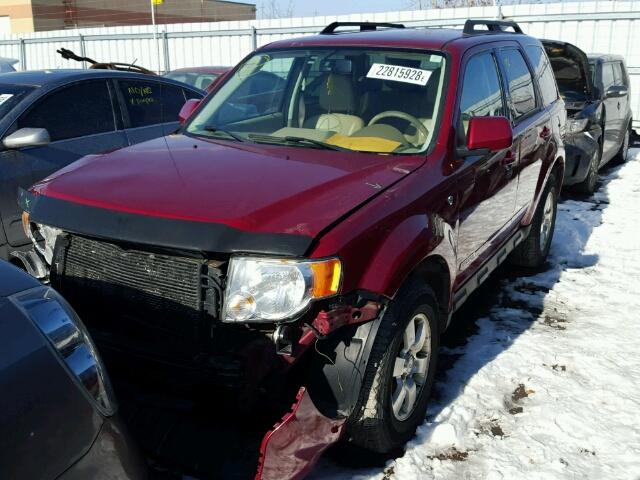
[549,386]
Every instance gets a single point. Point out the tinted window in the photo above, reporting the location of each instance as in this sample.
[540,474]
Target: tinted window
[76,111]
[607,75]
[172,101]
[144,102]
[543,73]
[521,91]
[618,76]
[481,92]
[10,96]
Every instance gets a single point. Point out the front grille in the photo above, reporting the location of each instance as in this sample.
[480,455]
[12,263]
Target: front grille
[164,291]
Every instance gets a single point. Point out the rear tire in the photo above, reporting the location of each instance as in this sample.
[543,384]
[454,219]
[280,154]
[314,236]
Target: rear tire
[398,380]
[533,250]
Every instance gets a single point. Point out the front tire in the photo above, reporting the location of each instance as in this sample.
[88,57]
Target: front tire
[399,373]
[623,153]
[533,250]
[589,184]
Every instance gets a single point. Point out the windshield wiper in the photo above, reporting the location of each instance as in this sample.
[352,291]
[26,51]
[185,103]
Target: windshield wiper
[317,143]
[212,129]
[292,139]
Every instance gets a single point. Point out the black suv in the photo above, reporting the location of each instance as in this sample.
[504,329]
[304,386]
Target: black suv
[595,89]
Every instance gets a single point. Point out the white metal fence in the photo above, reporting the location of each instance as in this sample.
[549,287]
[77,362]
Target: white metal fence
[602,27]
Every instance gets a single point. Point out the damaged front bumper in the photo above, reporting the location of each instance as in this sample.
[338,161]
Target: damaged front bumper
[580,147]
[294,445]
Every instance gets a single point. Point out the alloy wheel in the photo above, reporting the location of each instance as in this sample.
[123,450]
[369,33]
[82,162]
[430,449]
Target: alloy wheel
[547,221]
[411,366]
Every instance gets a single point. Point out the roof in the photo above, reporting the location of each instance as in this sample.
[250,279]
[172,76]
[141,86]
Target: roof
[420,38]
[43,77]
[216,70]
[604,57]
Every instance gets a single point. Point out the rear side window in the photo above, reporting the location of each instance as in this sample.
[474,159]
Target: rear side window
[618,75]
[481,92]
[173,100]
[607,76]
[144,102]
[521,91]
[543,73]
[75,111]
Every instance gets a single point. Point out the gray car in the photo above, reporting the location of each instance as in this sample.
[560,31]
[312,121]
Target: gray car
[51,118]
[595,90]
[57,414]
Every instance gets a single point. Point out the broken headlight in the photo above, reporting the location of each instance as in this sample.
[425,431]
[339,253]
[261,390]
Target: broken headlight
[271,290]
[48,234]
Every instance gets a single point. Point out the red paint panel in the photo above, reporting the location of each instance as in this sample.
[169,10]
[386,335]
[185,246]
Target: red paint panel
[492,133]
[256,188]
[292,448]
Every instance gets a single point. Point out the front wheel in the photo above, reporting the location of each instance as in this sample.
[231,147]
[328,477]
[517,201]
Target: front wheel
[623,153]
[399,374]
[533,250]
[588,185]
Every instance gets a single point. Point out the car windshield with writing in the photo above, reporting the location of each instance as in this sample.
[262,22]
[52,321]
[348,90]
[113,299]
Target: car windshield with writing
[382,101]
[10,96]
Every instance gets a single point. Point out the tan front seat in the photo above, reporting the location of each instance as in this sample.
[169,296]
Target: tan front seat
[338,98]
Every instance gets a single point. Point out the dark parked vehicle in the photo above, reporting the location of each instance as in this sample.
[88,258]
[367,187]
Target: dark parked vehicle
[57,414]
[49,119]
[596,92]
[198,77]
[310,231]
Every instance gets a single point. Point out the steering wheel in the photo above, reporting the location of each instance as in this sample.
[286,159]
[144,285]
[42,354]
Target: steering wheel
[403,116]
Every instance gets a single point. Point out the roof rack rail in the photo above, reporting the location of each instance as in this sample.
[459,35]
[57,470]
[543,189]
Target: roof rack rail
[493,26]
[364,26]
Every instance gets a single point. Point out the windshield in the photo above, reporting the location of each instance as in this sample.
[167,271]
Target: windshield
[383,101]
[198,80]
[10,96]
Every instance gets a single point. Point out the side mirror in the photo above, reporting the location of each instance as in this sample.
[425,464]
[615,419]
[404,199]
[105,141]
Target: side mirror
[187,109]
[27,137]
[616,91]
[487,134]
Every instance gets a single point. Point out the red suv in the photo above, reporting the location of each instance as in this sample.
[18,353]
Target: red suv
[315,224]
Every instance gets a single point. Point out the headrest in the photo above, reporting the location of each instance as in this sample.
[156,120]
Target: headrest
[337,94]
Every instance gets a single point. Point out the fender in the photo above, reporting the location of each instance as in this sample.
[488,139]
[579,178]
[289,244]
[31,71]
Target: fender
[413,241]
[557,164]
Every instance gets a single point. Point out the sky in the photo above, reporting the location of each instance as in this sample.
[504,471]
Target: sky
[303,8]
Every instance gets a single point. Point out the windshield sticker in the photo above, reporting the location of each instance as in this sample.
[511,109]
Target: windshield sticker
[382,71]
[4,97]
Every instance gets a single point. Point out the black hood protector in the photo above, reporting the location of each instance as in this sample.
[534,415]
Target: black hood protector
[157,231]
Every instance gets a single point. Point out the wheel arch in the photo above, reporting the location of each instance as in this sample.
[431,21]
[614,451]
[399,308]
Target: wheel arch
[434,271]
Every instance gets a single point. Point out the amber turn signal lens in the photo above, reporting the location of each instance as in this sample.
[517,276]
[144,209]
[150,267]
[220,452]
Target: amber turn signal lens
[326,277]
[26,224]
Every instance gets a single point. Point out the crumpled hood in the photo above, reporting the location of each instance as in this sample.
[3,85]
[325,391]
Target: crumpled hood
[249,187]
